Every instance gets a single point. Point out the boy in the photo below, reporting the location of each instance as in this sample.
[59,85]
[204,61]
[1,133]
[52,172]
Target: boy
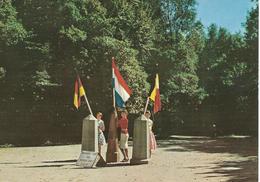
[123,124]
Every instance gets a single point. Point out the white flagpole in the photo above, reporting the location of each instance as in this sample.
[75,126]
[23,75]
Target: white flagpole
[114,101]
[90,110]
[146,105]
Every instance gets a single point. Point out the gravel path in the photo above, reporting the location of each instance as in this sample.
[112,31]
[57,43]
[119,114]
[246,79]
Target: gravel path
[176,160]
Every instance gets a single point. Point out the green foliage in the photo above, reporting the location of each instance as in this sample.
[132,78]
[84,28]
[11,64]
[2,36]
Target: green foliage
[132,22]
[251,38]
[42,78]
[181,41]
[11,30]
[2,72]
[205,76]
[74,34]
[129,67]
[228,72]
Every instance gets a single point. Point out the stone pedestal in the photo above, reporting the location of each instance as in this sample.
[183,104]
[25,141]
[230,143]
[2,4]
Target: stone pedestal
[140,141]
[112,154]
[90,134]
[89,149]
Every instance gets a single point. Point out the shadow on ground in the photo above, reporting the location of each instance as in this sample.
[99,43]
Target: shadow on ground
[55,163]
[72,162]
[243,169]
[239,171]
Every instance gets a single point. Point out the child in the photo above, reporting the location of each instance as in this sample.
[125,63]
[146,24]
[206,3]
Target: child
[152,141]
[123,124]
[101,128]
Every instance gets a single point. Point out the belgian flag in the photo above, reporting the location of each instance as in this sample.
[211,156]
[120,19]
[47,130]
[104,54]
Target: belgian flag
[155,95]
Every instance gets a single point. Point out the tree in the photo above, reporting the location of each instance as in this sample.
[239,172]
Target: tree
[227,71]
[11,29]
[251,58]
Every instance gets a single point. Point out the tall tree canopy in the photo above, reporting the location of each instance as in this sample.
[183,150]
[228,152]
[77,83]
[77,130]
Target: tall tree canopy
[207,74]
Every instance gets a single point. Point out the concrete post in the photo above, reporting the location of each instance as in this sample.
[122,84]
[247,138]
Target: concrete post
[140,141]
[90,134]
[89,150]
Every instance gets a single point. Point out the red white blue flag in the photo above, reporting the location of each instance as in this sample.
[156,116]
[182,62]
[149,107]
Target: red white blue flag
[122,91]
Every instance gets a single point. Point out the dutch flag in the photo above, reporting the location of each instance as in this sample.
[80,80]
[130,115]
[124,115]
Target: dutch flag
[122,91]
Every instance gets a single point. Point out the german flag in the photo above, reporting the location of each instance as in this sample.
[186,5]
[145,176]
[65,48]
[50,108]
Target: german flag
[79,92]
[155,95]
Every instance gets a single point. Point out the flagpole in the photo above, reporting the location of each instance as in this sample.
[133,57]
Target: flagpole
[90,110]
[114,101]
[146,105]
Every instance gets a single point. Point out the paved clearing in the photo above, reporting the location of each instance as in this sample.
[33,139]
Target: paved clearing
[179,159]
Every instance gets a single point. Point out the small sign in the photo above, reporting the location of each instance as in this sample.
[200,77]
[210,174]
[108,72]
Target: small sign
[88,159]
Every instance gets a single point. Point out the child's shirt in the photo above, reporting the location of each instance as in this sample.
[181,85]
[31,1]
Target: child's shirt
[123,124]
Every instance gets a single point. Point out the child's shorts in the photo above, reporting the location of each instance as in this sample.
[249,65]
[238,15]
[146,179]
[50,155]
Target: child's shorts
[124,140]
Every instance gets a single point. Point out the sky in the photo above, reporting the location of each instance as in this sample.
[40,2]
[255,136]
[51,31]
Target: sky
[229,14]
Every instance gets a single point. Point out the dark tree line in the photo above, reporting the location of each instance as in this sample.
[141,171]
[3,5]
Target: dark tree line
[206,76]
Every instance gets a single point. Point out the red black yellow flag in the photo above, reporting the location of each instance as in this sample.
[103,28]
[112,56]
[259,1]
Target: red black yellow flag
[79,92]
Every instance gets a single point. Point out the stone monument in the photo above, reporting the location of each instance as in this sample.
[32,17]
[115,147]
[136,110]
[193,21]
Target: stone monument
[140,141]
[89,149]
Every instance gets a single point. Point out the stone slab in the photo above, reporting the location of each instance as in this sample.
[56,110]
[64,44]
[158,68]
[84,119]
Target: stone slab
[88,159]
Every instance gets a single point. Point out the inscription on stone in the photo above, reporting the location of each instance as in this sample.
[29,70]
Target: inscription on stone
[88,159]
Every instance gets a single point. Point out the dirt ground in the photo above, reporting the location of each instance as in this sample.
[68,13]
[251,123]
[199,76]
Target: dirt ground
[179,159]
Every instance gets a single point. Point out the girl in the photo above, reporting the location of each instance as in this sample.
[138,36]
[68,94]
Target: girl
[153,143]
[101,128]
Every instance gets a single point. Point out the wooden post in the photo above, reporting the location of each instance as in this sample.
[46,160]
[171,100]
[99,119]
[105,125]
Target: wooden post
[112,154]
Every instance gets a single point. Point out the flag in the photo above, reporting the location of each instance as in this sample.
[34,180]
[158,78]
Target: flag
[81,88]
[122,91]
[155,95]
[78,93]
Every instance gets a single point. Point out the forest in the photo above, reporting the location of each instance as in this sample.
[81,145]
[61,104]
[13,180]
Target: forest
[208,75]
